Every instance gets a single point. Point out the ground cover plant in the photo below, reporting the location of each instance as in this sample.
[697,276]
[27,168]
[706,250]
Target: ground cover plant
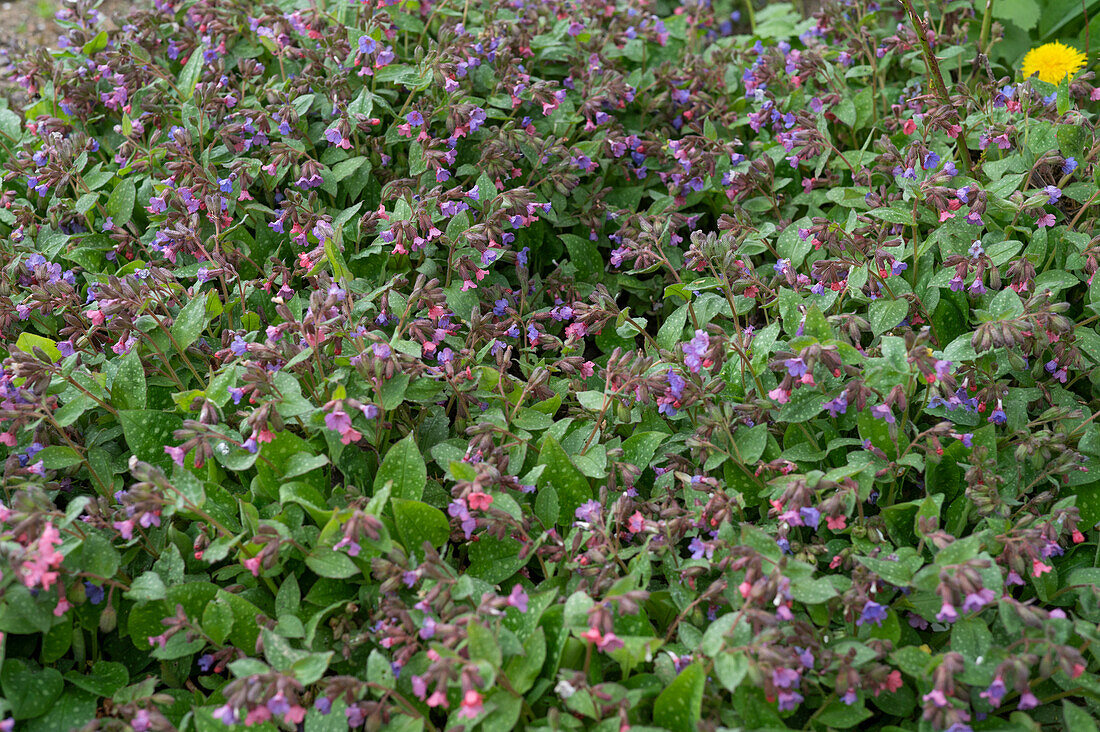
[550,365]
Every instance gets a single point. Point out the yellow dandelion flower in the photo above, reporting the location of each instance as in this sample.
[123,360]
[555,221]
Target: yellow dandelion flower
[1053,62]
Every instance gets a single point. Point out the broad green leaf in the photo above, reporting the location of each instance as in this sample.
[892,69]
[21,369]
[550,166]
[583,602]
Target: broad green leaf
[189,76]
[569,483]
[120,205]
[418,522]
[404,465]
[129,390]
[679,707]
[190,322]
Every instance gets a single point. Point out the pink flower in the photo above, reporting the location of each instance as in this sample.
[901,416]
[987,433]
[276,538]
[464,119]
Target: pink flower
[438,699]
[63,605]
[176,453]
[592,634]
[125,528]
[518,598]
[7,438]
[479,501]
[1038,568]
[836,523]
[780,395]
[471,704]
[1045,220]
[257,715]
[610,642]
[253,565]
[36,571]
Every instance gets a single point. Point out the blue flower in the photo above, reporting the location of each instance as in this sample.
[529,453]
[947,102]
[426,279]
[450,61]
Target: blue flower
[872,613]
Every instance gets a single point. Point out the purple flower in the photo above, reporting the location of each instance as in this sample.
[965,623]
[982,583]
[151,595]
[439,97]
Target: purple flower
[1054,193]
[518,598]
[872,613]
[695,350]
[883,411]
[1069,166]
[414,118]
[947,613]
[588,511]
[977,600]
[786,678]
[323,705]
[837,406]
[226,715]
[789,700]
[995,693]
[796,367]
[94,593]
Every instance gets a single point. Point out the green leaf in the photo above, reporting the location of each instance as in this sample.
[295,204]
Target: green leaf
[841,716]
[679,707]
[147,432]
[27,342]
[585,256]
[672,330]
[522,671]
[418,522]
[639,448]
[217,620]
[96,44]
[751,442]
[547,507]
[120,205]
[805,404]
[302,463]
[128,391]
[483,645]
[569,483]
[98,556]
[190,322]
[147,587]
[971,637]
[886,314]
[495,560]
[106,678]
[57,457]
[30,693]
[893,215]
[1077,719]
[189,76]
[73,710]
[1022,13]
[404,465]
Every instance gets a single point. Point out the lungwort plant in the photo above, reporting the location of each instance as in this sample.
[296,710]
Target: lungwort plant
[497,364]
